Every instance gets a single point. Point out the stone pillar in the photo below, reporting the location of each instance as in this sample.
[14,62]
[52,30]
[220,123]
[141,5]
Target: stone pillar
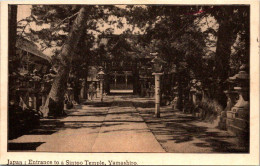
[157,94]
[96,89]
[44,97]
[193,96]
[115,81]
[126,80]
[101,90]
[34,102]
[83,91]
[174,103]
[231,99]
[141,87]
[242,104]
[31,101]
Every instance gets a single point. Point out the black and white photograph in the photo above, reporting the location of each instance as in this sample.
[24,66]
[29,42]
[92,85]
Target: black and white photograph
[128,78]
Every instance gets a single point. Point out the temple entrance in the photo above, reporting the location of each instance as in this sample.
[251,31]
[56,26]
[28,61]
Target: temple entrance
[121,82]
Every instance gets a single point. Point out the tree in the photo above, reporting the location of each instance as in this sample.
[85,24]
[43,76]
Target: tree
[173,32]
[233,21]
[180,27]
[58,19]
[14,61]
[55,100]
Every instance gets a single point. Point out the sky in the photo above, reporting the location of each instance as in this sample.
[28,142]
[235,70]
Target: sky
[25,11]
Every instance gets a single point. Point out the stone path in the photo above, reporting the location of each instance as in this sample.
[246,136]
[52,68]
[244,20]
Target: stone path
[94,127]
[127,124]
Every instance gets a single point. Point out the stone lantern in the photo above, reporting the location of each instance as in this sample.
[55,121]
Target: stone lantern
[158,64]
[231,100]
[34,83]
[195,91]
[231,97]
[83,89]
[43,93]
[242,88]
[101,79]
[238,116]
[193,95]
[176,98]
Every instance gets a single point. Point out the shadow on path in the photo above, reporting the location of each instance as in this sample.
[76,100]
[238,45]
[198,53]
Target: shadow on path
[30,146]
[175,128]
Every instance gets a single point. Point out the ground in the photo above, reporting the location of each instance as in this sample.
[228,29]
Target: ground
[126,123]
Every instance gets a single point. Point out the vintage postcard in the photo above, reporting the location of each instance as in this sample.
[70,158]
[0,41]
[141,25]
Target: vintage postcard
[129,83]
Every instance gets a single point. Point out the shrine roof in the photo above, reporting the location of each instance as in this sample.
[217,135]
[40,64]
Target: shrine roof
[30,47]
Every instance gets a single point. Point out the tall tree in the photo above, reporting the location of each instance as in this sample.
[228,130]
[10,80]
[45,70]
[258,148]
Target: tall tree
[172,32]
[55,21]
[233,21]
[14,62]
[55,101]
[12,23]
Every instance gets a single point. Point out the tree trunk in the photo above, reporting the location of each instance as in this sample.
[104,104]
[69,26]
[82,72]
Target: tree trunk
[55,101]
[223,51]
[12,24]
[180,92]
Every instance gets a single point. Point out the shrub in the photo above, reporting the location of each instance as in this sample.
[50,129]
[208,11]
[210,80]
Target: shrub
[209,109]
[189,107]
[21,121]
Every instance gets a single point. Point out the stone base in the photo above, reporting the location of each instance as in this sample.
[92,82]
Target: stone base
[236,125]
[198,115]
[239,113]
[242,113]
[231,114]
[222,124]
[243,135]
[240,123]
